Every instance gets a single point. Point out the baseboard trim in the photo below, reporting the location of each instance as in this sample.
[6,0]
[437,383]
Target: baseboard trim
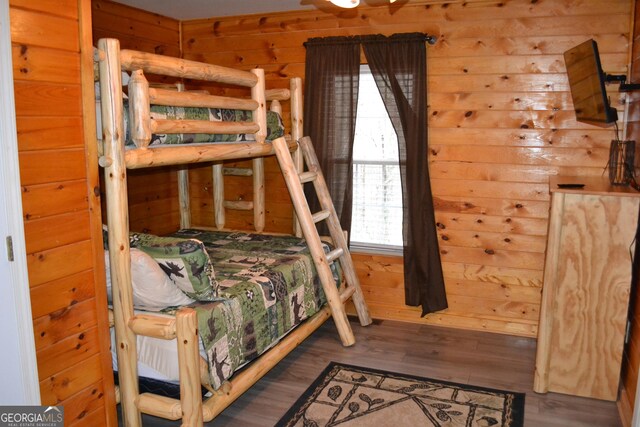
[625,409]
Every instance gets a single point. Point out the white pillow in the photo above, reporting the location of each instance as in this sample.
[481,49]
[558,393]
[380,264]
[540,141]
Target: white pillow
[153,290]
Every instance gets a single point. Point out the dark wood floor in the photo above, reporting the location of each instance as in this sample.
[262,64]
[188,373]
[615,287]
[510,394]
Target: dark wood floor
[477,358]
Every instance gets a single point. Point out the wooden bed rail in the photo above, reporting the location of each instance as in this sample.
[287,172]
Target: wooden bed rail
[202,126]
[117,217]
[143,126]
[183,68]
[194,153]
[195,99]
[153,326]
[173,409]
[282,94]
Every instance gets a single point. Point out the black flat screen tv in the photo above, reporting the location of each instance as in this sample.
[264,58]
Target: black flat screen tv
[587,83]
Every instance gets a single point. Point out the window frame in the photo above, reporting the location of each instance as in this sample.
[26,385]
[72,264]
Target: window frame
[369,247]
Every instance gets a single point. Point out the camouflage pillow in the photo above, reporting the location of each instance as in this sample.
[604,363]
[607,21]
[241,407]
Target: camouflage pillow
[185,261]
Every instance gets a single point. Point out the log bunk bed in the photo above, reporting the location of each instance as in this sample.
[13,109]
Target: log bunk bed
[184,323]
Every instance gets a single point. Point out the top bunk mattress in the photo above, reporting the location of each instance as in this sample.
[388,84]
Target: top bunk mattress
[275,125]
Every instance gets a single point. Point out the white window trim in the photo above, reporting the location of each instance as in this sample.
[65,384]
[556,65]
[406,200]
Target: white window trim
[375,249]
[366,247]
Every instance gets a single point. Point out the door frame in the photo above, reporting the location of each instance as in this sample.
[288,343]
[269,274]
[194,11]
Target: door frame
[19,369]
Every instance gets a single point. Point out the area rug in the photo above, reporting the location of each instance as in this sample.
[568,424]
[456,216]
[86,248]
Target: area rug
[345,395]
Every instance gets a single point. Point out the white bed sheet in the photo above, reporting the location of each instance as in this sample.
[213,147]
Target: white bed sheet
[157,358]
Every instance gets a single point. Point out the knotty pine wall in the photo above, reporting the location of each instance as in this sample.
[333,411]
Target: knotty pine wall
[631,357]
[61,205]
[501,122]
[153,193]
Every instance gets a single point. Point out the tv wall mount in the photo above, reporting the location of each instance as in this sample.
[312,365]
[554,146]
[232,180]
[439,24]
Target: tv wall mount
[621,78]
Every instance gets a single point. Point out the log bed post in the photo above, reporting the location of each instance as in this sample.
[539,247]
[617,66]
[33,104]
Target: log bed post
[218,195]
[296,134]
[260,118]
[183,197]
[189,367]
[139,109]
[115,175]
[183,188]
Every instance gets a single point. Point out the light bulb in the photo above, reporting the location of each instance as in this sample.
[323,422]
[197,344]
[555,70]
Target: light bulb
[347,4]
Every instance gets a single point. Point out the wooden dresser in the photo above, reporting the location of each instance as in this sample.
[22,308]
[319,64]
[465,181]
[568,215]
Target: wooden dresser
[587,279]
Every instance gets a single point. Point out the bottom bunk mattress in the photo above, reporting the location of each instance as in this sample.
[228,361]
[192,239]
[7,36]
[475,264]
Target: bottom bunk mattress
[266,286]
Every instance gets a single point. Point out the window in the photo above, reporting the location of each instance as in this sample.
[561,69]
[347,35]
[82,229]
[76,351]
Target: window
[377,193]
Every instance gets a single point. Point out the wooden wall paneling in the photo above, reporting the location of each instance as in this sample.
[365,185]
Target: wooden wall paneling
[81,406]
[500,124]
[138,44]
[58,262]
[42,166]
[526,44]
[66,8]
[59,210]
[62,293]
[90,418]
[70,227]
[583,157]
[63,323]
[130,24]
[66,383]
[149,19]
[39,63]
[153,192]
[35,27]
[487,189]
[43,200]
[42,133]
[491,206]
[559,138]
[507,172]
[501,275]
[506,241]
[70,349]
[158,224]
[37,99]
[95,226]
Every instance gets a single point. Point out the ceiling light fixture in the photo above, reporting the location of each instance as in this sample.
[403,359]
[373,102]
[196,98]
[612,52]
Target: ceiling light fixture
[347,4]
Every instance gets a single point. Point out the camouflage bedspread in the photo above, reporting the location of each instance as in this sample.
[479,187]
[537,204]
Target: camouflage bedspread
[267,286]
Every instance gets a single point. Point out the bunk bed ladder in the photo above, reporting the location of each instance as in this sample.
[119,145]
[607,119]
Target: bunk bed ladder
[351,289]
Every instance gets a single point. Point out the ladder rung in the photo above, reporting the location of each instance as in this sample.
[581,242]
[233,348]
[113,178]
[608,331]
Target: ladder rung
[308,176]
[237,171]
[320,216]
[334,254]
[238,205]
[346,293]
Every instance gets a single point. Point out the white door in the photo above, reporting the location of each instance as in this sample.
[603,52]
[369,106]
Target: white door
[18,369]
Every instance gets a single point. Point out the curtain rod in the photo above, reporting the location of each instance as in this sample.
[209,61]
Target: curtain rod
[430,39]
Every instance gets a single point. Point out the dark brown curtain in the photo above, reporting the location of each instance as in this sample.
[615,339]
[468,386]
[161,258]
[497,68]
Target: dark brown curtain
[398,64]
[332,73]
[399,67]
